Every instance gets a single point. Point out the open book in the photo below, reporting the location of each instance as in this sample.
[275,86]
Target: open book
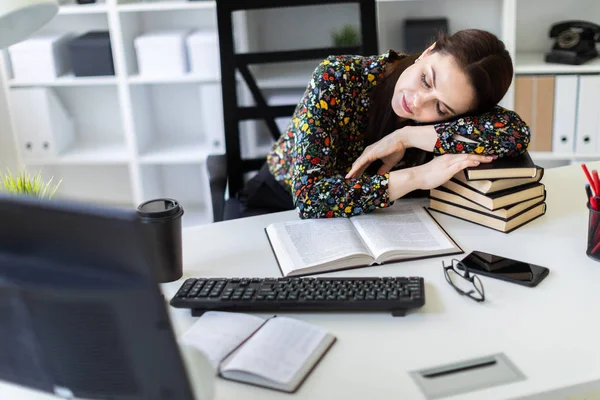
[391,234]
[277,353]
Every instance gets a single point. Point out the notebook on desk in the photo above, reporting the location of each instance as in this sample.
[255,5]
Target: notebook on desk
[276,353]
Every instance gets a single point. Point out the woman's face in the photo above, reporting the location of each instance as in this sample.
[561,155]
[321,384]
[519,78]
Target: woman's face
[432,89]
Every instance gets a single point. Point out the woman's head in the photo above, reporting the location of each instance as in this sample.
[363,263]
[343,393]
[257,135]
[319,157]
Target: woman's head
[468,72]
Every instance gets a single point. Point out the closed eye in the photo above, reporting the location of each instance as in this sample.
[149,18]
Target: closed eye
[437,106]
[439,110]
[425,81]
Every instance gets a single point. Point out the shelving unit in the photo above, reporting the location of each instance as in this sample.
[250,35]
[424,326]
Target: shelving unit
[533,63]
[532,20]
[67,80]
[79,9]
[140,137]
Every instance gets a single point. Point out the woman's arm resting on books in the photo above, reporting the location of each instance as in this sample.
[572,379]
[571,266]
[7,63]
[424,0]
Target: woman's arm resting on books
[432,174]
[499,132]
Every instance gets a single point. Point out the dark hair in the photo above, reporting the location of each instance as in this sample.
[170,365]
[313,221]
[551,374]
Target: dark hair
[480,54]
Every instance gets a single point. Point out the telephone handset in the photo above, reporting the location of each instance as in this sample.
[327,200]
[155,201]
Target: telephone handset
[575,42]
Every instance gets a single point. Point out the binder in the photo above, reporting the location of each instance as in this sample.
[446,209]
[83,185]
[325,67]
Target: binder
[565,112]
[544,112]
[44,128]
[211,115]
[586,131]
[534,102]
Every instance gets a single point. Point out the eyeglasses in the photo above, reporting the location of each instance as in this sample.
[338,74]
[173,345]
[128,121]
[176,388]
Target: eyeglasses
[454,275]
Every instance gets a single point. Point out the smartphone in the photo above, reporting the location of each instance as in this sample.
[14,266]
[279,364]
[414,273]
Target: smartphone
[506,269]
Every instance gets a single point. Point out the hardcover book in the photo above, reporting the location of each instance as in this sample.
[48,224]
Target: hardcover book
[505,225]
[496,200]
[521,166]
[508,212]
[486,186]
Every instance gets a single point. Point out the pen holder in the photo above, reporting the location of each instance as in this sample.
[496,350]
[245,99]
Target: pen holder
[593,241]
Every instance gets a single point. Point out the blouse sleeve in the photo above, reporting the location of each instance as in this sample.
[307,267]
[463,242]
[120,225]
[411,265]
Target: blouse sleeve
[498,132]
[319,190]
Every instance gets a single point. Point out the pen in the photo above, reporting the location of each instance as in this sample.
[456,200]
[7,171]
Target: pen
[589,178]
[596,181]
[592,200]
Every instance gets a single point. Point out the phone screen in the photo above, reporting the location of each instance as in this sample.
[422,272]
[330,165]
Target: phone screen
[504,268]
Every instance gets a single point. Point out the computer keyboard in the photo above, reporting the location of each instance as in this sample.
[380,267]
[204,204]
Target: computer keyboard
[394,294]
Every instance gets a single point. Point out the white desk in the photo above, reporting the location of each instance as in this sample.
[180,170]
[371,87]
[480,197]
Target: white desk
[549,332]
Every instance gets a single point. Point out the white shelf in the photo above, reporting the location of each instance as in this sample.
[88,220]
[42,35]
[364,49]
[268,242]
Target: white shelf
[189,78]
[176,153]
[549,156]
[88,154]
[67,80]
[290,76]
[167,6]
[533,63]
[78,9]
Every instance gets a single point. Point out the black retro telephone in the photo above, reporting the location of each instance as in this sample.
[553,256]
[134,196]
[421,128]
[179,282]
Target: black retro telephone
[575,42]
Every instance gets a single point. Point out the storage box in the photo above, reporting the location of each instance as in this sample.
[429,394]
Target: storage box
[44,129]
[91,54]
[162,54]
[211,115]
[204,55]
[41,58]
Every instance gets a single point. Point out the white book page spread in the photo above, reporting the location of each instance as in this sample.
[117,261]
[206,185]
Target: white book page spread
[278,350]
[218,333]
[317,241]
[407,228]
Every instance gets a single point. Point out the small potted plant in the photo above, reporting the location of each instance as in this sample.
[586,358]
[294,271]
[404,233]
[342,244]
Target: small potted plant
[26,184]
[346,36]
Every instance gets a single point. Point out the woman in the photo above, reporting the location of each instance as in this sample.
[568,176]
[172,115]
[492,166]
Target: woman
[362,117]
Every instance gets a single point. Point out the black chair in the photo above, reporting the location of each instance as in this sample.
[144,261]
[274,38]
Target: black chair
[227,171]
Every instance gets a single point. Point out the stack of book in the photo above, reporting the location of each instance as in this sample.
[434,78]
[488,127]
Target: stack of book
[503,195]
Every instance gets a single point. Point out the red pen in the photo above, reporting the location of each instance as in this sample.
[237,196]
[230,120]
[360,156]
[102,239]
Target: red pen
[590,179]
[596,181]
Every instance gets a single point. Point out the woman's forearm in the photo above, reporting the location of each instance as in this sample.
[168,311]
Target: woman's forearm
[402,182]
[422,137]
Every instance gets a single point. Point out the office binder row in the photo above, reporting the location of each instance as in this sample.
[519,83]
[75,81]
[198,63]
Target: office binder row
[562,111]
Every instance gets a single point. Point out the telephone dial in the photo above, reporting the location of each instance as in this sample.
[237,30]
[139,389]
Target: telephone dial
[575,42]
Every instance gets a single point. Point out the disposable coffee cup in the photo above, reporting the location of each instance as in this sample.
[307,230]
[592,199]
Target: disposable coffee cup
[162,233]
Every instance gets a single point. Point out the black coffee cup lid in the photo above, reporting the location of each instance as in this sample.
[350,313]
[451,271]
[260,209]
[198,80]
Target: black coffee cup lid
[159,208]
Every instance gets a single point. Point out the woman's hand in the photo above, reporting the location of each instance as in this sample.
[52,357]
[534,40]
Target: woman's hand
[439,170]
[389,150]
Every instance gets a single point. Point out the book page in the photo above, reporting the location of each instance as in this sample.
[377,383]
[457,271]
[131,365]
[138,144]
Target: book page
[218,333]
[278,351]
[407,228]
[317,241]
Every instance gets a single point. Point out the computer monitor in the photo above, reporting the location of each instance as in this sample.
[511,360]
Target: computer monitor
[80,312]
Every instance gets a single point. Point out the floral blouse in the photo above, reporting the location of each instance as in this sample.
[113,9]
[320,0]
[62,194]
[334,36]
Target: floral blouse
[326,132]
